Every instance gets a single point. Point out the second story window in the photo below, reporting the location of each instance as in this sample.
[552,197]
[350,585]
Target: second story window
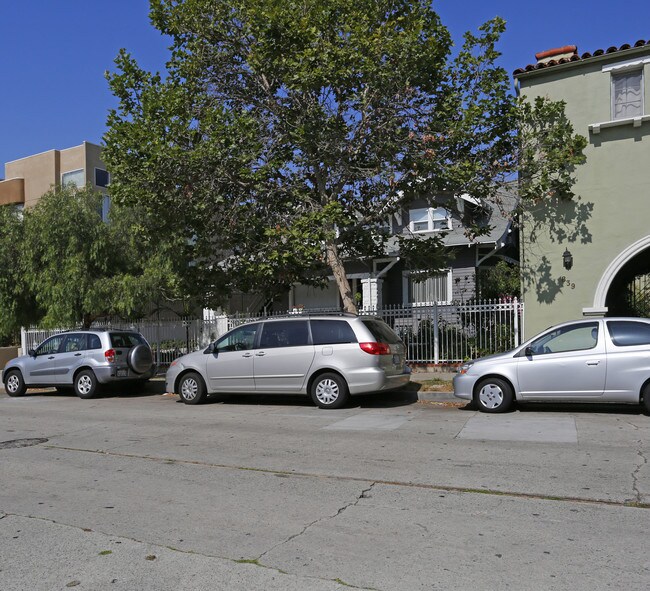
[627,94]
[429,219]
[76,178]
[102,177]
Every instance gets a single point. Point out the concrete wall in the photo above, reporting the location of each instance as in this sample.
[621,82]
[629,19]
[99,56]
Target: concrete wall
[41,172]
[610,212]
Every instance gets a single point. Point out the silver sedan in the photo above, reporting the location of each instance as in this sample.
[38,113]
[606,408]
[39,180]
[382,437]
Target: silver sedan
[590,360]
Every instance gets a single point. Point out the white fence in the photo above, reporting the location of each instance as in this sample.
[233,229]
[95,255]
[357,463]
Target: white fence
[438,334]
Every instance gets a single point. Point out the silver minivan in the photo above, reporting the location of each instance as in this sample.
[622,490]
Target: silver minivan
[327,357]
[589,360]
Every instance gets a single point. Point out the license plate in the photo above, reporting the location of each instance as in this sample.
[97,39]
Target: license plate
[122,373]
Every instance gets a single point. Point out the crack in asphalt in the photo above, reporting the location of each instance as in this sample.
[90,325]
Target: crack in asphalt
[397,483]
[189,552]
[363,495]
[635,474]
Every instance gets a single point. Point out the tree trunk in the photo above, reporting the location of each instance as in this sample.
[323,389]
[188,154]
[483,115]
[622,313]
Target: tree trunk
[336,264]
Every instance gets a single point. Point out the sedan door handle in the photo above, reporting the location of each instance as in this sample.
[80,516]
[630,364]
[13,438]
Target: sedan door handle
[77,354]
[260,354]
[51,357]
[247,355]
[593,362]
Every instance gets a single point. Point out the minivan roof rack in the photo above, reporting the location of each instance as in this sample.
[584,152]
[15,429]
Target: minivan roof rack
[308,314]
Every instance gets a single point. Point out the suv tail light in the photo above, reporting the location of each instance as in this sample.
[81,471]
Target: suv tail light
[110,355]
[375,348]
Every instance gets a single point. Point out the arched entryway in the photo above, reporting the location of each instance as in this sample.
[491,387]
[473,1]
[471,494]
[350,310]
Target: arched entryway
[624,288]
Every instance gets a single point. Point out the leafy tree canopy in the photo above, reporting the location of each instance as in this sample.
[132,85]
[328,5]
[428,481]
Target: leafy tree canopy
[76,267]
[17,306]
[285,133]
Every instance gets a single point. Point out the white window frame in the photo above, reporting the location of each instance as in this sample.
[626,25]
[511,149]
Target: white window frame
[81,170]
[617,73]
[406,279]
[432,215]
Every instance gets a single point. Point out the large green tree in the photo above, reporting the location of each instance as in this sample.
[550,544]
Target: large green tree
[17,305]
[284,133]
[77,267]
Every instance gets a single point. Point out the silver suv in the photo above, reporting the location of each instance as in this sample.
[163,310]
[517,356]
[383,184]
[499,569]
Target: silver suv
[81,360]
[324,356]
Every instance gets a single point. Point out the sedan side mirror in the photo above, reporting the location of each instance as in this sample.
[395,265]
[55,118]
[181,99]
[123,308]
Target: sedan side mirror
[210,349]
[31,353]
[529,352]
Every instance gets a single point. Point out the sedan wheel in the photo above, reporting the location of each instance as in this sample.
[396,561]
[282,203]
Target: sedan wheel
[191,389]
[493,395]
[329,390]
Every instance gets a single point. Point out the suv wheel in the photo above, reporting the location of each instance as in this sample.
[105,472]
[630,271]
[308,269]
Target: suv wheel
[191,388]
[329,390]
[85,384]
[14,383]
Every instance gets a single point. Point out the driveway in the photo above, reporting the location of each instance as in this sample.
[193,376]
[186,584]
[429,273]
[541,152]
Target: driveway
[143,492]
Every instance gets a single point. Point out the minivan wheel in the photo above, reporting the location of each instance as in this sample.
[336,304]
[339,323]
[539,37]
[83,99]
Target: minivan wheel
[493,395]
[329,390]
[646,398]
[191,388]
[14,383]
[85,384]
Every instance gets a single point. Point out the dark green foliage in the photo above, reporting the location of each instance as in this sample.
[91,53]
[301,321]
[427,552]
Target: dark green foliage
[285,133]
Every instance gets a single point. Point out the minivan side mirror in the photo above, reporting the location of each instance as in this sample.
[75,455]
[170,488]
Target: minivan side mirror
[529,352]
[210,349]
[31,353]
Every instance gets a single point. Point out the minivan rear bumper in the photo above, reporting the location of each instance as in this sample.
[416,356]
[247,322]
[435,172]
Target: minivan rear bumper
[375,379]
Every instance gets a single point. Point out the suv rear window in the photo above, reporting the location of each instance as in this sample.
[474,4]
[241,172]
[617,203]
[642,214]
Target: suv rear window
[331,332]
[382,332]
[126,339]
[626,333]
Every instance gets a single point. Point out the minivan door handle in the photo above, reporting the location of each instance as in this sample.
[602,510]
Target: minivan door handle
[593,362]
[77,354]
[247,355]
[260,354]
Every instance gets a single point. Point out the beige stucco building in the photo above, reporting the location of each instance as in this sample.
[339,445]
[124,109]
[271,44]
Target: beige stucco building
[27,179]
[591,256]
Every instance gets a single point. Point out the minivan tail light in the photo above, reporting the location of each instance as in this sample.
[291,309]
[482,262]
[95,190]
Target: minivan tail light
[375,348]
[110,355]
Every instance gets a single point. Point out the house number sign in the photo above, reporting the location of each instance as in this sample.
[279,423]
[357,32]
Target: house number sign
[563,281]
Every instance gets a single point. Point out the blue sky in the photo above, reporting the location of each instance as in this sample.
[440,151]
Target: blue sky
[53,55]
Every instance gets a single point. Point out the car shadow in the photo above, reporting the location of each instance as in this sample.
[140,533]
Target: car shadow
[392,399]
[152,388]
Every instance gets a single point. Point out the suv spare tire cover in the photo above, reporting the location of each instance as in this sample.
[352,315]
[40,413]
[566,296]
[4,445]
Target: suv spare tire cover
[140,358]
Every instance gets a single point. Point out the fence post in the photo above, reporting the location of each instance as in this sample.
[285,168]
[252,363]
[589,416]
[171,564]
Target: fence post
[436,339]
[23,340]
[516,313]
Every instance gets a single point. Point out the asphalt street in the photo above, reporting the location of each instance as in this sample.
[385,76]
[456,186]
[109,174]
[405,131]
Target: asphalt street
[141,492]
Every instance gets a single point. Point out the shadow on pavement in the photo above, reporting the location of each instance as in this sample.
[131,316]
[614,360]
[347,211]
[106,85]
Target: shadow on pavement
[390,399]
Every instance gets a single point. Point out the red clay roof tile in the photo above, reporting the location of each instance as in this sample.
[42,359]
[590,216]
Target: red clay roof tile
[574,58]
